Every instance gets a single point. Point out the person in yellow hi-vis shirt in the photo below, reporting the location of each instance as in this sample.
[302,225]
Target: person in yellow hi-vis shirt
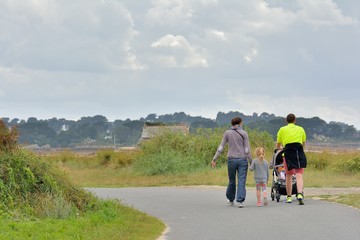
[292,139]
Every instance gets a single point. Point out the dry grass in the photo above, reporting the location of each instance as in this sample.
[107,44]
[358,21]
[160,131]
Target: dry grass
[125,177]
[89,171]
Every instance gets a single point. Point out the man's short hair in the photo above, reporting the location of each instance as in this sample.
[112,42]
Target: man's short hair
[290,118]
[236,121]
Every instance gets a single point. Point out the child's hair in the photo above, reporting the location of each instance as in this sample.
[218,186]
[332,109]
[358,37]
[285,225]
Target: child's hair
[260,153]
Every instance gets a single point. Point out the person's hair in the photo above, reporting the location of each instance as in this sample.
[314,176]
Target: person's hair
[260,153]
[236,121]
[290,118]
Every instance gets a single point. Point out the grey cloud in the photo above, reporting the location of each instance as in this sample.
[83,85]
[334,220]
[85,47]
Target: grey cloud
[120,58]
[66,36]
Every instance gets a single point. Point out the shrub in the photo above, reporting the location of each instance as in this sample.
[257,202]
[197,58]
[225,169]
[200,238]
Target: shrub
[174,153]
[8,138]
[66,156]
[350,166]
[319,163]
[30,187]
[261,139]
[105,156]
[126,157]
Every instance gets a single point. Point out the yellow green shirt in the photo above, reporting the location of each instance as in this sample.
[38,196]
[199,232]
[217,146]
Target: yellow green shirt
[291,133]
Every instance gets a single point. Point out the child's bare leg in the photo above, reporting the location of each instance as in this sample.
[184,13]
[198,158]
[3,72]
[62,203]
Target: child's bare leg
[258,195]
[264,194]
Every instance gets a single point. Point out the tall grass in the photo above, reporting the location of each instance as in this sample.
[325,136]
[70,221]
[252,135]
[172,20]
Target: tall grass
[37,201]
[176,153]
[30,187]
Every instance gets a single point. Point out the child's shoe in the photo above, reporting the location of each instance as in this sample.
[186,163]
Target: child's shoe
[258,204]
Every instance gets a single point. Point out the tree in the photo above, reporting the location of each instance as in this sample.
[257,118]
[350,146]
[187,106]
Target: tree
[8,137]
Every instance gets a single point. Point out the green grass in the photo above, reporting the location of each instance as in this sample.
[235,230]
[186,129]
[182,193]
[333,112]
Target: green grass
[347,199]
[110,221]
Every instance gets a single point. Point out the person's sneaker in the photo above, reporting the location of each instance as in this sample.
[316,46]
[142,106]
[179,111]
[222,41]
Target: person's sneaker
[300,196]
[231,203]
[258,204]
[288,199]
[240,204]
[265,201]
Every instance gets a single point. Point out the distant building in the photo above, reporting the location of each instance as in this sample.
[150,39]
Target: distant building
[154,130]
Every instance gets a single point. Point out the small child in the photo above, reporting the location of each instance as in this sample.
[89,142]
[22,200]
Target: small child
[281,171]
[261,174]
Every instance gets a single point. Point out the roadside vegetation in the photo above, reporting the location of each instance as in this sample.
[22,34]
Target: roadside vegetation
[37,201]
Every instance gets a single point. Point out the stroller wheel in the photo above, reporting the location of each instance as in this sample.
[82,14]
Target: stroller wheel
[272,194]
[278,197]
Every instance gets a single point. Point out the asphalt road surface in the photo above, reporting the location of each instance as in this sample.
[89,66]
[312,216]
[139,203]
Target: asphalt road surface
[201,213]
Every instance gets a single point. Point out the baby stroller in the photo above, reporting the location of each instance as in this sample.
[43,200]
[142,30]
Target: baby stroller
[278,187]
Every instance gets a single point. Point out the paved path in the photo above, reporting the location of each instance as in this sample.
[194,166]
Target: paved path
[201,213]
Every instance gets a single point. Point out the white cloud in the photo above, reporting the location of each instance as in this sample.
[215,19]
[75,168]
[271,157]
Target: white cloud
[323,13]
[219,34]
[166,12]
[179,51]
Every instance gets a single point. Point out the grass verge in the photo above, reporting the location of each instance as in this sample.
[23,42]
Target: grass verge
[347,199]
[110,221]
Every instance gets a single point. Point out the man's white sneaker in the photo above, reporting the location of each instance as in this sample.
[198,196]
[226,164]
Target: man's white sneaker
[230,203]
[240,204]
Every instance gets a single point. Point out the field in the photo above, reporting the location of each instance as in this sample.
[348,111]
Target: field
[326,168]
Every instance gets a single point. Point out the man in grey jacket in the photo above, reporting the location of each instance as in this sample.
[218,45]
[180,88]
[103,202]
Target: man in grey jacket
[238,156]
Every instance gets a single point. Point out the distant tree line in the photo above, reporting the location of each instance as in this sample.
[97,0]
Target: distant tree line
[98,131]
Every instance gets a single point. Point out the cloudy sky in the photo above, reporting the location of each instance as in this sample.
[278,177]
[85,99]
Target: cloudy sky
[127,59]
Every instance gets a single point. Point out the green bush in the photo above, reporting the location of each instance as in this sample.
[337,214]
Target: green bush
[30,187]
[8,138]
[261,139]
[350,166]
[105,156]
[176,153]
[318,163]
[124,158]
[66,156]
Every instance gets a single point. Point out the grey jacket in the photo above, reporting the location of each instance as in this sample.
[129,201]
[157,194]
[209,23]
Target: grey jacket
[261,170]
[238,142]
